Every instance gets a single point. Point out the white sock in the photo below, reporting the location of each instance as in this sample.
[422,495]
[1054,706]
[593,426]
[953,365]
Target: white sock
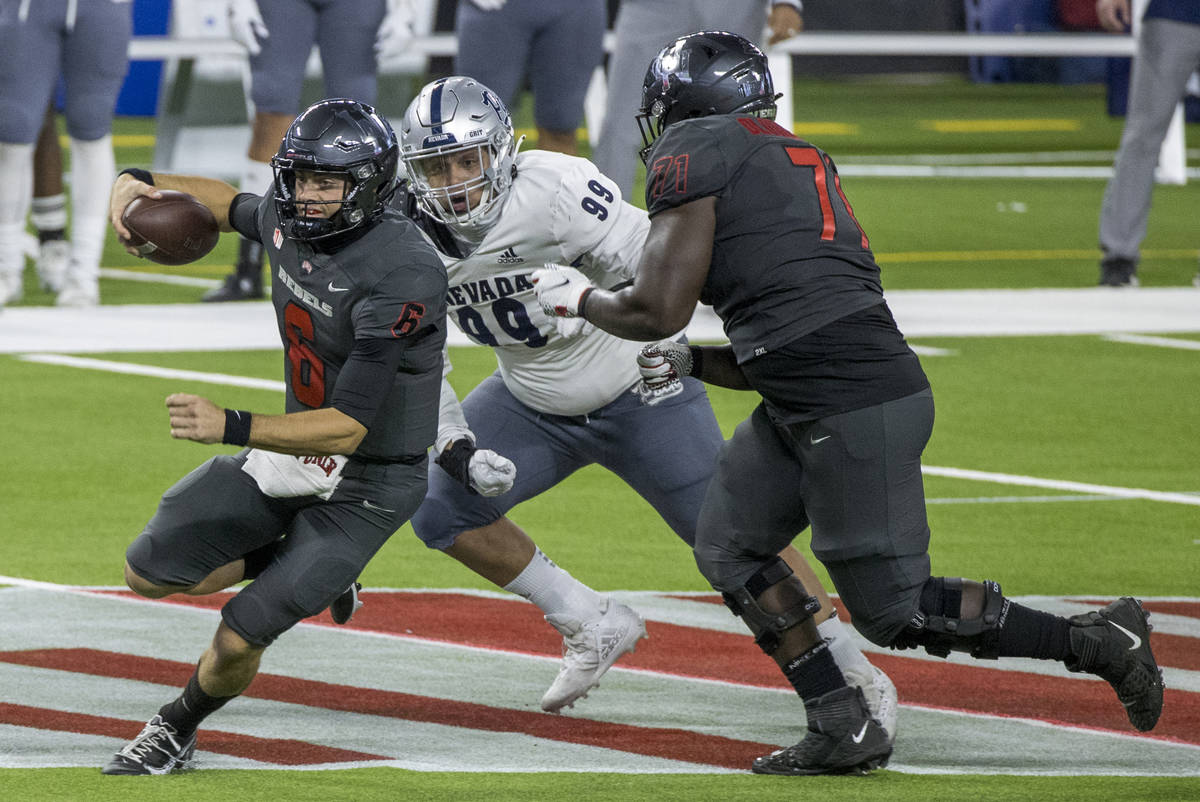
[845,653]
[49,212]
[16,190]
[554,590]
[92,173]
[257,177]
[12,259]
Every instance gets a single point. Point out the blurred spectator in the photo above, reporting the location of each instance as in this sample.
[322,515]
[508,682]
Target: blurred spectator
[351,35]
[641,28]
[1168,51]
[87,43]
[560,44]
[49,212]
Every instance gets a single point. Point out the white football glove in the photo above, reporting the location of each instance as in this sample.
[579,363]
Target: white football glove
[246,25]
[489,5]
[663,365]
[560,289]
[397,30]
[480,469]
[491,474]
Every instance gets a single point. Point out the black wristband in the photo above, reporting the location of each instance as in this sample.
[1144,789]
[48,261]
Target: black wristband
[583,296]
[697,360]
[237,427]
[140,174]
[456,461]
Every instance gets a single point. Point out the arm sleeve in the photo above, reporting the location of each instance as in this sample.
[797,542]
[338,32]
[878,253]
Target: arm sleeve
[452,423]
[244,214]
[367,377]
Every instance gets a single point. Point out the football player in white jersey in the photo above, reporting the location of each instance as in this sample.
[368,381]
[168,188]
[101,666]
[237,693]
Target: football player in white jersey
[565,395]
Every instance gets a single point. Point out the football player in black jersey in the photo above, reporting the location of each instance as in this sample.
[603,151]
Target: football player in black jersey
[750,219]
[360,298]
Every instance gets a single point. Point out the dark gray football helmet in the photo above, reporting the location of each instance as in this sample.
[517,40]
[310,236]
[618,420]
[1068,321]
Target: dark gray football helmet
[346,138]
[701,74]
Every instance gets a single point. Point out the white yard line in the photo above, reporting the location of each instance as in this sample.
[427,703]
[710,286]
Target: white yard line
[1062,484]
[980,171]
[158,278]
[153,371]
[1108,491]
[1158,342]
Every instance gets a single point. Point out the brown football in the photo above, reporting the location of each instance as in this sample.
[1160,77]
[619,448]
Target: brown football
[172,230]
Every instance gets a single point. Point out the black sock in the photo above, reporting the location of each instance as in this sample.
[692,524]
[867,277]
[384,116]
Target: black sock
[814,673]
[250,259]
[1032,633]
[191,707]
[51,234]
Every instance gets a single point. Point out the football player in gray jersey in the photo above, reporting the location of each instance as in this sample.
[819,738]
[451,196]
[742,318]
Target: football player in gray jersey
[562,397]
[752,220]
[360,300]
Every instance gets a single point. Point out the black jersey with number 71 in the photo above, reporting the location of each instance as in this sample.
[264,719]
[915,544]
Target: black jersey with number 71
[789,255]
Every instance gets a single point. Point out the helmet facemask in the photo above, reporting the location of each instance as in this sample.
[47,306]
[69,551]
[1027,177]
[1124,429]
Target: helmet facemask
[303,225]
[432,179]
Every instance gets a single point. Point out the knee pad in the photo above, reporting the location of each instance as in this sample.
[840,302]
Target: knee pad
[794,604]
[939,627]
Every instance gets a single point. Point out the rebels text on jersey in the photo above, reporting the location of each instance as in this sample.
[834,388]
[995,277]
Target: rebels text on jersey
[560,209]
[387,284]
[786,238]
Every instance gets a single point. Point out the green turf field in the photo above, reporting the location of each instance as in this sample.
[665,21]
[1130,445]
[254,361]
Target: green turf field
[87,452]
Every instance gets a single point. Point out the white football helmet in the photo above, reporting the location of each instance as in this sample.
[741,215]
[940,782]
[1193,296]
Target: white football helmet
[454,126]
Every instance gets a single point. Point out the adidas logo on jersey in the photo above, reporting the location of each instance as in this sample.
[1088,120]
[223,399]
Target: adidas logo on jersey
[509,257]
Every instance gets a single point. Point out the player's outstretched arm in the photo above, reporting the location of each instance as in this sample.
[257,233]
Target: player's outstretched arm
[670,276]
[312,432]
[212,192]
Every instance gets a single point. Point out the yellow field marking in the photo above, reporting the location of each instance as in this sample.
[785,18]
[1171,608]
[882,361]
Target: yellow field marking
[999,126]
[1020,256]
[122,140]
[805,128]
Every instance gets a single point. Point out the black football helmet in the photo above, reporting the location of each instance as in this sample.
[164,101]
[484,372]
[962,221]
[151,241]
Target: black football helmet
[701,74]
[351,140]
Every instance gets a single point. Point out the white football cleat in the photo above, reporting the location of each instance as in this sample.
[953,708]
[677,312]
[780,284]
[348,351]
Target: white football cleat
[52,258]
[882,700]
[589,649]
[79,292]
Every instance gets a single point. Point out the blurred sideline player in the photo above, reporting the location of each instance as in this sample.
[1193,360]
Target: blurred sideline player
[360,301]
[557,45]
[279,36]
[1168,52]
[563,397]
[752,220]
[639,31]
[86,42]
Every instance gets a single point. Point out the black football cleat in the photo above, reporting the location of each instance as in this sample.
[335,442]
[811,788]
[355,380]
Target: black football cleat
[236,288]
[1118,272]
[158,749]
[842,739]
[345,606]
[1114,644]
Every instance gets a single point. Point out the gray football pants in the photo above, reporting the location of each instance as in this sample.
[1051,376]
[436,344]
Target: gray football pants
[856,478]
[1168,53]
